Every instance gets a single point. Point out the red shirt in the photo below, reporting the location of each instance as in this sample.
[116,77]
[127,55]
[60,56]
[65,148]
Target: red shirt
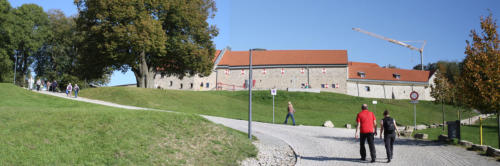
[366,119]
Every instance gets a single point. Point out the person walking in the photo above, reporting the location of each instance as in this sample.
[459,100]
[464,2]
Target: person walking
[38,83]
[77,89]
[367,127]
[389,129]
[68,89]
[291,111]
[54,86]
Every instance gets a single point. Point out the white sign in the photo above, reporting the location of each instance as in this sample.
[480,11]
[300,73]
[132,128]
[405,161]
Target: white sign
[273,92]
[374,102]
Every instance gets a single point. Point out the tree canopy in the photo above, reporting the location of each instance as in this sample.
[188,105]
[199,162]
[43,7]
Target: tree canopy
[480,70]
[148,37]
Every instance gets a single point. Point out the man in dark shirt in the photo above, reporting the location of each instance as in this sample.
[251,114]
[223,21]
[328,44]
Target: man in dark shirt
[367,125]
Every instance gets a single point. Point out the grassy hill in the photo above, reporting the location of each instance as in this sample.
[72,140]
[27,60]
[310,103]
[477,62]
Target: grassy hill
[37,129]
[312,108]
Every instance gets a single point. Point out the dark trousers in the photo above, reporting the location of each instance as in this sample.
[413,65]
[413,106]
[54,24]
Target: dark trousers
[389,141]
[290,115]
[371,145]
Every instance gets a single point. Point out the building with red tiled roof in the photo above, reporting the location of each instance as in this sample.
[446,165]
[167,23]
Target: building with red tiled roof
[322,70]
[371,80]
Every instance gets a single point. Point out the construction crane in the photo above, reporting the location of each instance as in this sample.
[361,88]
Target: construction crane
[420,50]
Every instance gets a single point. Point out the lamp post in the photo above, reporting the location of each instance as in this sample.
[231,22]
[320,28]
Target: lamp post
[250,82]
[15,69]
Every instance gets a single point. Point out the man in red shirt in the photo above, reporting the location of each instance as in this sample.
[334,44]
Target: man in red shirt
[366,122]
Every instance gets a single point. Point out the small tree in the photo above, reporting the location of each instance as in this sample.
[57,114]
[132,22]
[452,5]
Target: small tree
[480,70]
[441,90]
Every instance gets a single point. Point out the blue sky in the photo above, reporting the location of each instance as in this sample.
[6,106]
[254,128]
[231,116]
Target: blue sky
[327,24]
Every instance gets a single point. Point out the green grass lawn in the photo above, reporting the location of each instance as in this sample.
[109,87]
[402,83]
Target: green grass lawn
[38,129]
[471,133]
[312,108]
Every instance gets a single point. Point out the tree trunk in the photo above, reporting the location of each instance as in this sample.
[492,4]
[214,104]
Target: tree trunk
[498,124]
[144,74]
[442,109]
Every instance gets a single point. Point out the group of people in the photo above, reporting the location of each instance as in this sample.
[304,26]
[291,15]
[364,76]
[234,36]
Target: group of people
[367,127]
[52,87]
[70,88]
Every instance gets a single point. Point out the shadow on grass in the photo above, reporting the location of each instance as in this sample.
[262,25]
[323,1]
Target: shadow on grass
[378,141]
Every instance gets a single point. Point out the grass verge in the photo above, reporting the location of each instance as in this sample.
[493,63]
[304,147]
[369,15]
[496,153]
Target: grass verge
[37,129]
[471,132]
[312,108]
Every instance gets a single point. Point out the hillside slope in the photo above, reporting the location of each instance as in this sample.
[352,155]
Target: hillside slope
[312,108]
[37,129]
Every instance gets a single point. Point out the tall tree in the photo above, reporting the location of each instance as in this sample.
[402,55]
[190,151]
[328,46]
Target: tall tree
[480,70]
[31,25]
[146,36]
[57,58]
[6,65]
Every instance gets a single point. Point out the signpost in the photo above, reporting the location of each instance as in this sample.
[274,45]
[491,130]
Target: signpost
[273,93]
[374,102]
[414,100]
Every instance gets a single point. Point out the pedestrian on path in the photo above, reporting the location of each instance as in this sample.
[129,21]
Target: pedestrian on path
[38,83]
[68,89]
[77,89]
[291,111]
[54,86]
[389,129]
[367,127]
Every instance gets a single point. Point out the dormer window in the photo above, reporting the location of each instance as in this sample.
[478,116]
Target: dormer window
[361,74]
[397,76]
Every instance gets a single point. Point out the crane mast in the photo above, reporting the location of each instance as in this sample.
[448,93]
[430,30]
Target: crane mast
[420,50]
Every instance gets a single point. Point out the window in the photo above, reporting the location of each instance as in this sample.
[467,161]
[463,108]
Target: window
[191,85]
[181,86]
[367,88]
[361,74]
[333,86]
[208,85]
[397,76]
[201,85]
[322,85]
[171,83]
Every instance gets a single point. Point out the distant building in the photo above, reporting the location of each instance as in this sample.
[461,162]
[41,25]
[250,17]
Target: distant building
[371,80]
[324,70]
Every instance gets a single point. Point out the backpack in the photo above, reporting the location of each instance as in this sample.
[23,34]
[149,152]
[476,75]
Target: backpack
[389,125]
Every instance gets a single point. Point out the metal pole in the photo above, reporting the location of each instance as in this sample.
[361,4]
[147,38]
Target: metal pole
[273,108]
[250,96]
[421,59]
[481,130]
[15,69]
[415,116]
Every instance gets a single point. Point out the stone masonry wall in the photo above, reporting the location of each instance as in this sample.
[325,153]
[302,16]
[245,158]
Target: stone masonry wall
[290,78]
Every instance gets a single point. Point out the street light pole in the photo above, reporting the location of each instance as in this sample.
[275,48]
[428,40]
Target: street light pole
[15,69]
[250,82]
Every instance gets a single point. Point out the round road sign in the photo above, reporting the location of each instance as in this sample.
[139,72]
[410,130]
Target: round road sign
[414,95]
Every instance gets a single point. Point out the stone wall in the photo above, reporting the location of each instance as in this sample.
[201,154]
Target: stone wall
[187,83]
[283,78]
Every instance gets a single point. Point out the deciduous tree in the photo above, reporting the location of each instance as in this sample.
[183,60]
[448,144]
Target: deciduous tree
[480,70]
[145,36]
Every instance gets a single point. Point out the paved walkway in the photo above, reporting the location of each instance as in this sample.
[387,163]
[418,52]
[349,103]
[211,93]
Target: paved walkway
[337,146]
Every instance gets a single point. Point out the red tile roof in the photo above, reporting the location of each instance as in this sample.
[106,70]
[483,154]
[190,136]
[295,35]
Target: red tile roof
[285,57]
[374,72]
[217,52]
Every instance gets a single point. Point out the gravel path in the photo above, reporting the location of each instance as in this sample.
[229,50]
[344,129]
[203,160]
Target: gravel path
[334,146]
